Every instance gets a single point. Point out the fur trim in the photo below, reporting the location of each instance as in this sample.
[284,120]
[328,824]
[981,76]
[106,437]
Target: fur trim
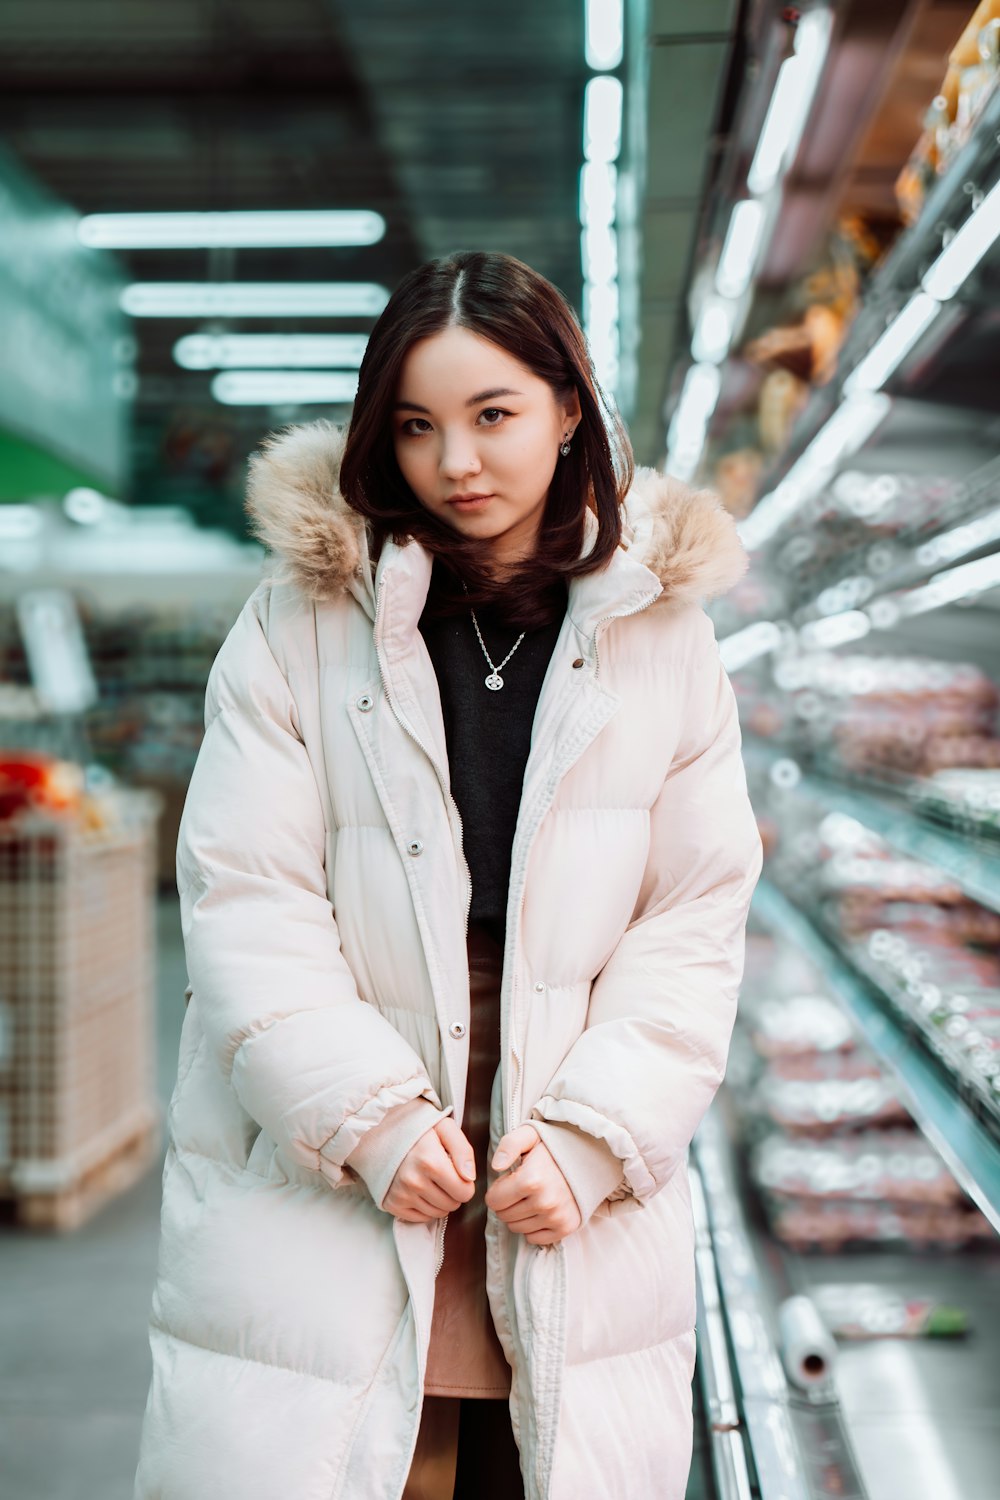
[694,548]
[296,509]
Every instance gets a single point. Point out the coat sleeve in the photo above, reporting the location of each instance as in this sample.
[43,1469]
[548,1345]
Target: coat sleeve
[654,1049]
[312,1062]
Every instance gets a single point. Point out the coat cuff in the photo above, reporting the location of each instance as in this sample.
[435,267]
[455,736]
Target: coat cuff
[588,1164]
[377,1156]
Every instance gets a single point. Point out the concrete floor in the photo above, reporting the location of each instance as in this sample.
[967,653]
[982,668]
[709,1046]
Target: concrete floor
[74,1356]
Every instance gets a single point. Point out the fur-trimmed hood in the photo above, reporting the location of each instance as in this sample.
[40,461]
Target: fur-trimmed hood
[683,535]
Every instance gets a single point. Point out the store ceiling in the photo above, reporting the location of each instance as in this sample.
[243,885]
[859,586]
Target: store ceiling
[463,130]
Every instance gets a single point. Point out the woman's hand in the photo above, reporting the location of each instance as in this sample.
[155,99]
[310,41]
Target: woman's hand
[534,1199]
[436,1176]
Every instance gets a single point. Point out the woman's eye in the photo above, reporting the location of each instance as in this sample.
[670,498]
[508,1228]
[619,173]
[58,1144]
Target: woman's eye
[495,411]
[408,424]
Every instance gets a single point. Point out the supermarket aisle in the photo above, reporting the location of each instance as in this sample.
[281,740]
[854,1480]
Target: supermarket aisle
[74,1361]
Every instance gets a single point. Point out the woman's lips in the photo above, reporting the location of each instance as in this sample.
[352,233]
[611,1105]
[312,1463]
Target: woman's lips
[479,502]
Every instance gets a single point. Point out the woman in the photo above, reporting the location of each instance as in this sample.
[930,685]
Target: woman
[464,871]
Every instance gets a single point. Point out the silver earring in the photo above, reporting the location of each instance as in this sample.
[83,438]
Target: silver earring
[564,448]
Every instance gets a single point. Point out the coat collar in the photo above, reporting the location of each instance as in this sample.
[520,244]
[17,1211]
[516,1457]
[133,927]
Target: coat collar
[681,545]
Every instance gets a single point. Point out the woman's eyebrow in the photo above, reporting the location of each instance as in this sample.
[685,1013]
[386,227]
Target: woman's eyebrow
[472,401]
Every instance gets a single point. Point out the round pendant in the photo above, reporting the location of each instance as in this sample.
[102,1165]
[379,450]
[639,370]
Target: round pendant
[494,681]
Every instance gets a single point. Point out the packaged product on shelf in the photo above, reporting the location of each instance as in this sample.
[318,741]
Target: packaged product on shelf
[951,117]
[820,1095]
[831,1147]
[891,717]
[975,58]
[868,1310]
[886,1186]
[951,993]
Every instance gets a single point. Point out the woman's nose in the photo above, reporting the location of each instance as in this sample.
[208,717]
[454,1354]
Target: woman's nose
[458,457]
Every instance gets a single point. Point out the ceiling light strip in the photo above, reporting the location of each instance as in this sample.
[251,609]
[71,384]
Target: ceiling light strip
[253,299]
[288,351]
[284,387]
[235,230]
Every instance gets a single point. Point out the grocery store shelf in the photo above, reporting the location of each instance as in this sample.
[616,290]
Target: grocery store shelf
[963,1143]
[974,169]
[918,1414]
[971,864]
[800,1447]
[946,206]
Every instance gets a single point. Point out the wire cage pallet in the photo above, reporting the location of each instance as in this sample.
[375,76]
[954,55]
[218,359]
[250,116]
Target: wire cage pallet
[79,1120]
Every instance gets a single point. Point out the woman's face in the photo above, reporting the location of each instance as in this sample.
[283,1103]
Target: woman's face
[470,419]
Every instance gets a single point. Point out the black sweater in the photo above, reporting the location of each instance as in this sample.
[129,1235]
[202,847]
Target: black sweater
[488,736]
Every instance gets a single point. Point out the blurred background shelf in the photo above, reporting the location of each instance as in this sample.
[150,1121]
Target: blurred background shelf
[971,1151]
[974,864]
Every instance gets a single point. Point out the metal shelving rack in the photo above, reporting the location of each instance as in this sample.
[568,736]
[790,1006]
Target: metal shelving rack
[947,206]
[970,862]
[798,1444]
[962,1140]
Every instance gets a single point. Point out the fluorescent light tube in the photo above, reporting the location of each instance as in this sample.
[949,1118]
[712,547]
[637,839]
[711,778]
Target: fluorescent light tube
[253,299]
[740,248]
[962,254]
[604,33]
[713,332]
[968,537]
[284,387]
[601,326]
[850,426]
[287,351]
[746,645]
[952,585]
[888,352]
[836,630]
[598,191]
[689,425]
[186,231]
[599,254]
[602,119]
[788,111]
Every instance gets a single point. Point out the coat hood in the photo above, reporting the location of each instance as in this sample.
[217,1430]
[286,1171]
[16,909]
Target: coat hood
[683,535]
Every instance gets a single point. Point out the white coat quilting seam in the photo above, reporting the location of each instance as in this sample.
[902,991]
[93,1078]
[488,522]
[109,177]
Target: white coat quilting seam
[598,807]
[243,1356]
[647,1349]
[366,1402]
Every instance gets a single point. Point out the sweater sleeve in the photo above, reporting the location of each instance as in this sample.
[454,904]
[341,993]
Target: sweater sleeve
[315,1065]
[653,1052]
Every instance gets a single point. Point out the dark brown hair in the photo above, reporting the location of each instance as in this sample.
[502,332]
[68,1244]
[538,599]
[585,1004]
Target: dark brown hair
[503,300]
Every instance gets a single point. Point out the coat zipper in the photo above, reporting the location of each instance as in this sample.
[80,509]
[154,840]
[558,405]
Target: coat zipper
[618,615]
[405,725]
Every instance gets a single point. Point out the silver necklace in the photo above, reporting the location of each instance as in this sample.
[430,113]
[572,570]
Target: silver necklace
[494,681]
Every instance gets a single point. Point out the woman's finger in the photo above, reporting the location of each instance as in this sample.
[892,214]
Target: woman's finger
[439,1170]
[457,1145]
[507,1191]
[529,1223]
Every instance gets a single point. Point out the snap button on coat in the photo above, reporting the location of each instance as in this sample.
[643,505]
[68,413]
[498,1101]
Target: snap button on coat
[457,1029]
[365,702]
[579,662]
[415,847]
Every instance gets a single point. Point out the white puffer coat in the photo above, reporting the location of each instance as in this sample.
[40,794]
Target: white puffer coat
[324,902]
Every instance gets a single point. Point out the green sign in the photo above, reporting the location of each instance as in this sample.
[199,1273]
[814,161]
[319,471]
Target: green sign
[65,347]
